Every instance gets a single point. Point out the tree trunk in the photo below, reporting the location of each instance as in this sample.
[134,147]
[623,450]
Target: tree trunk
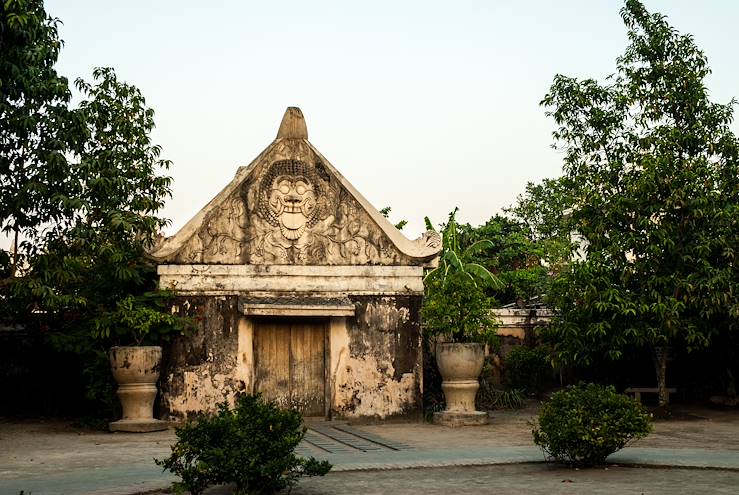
[660,367]
[14,266]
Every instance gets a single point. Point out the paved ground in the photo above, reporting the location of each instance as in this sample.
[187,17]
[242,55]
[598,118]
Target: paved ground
[54,458]
[537,479]
[523,478]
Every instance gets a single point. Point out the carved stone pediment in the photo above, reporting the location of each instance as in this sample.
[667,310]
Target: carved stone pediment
[290,206]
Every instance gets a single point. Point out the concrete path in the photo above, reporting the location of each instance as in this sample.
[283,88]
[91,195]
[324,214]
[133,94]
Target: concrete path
[528,479]
[53,458]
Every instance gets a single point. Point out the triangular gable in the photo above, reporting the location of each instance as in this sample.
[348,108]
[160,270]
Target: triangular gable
[291,206]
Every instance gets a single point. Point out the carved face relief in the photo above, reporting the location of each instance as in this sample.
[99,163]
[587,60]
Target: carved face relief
[293,201]
[289,194]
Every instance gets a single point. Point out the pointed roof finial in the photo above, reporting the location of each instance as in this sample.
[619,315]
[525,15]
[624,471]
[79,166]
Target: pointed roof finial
[293,125]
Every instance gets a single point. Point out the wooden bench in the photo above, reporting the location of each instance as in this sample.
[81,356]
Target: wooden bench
[637,391]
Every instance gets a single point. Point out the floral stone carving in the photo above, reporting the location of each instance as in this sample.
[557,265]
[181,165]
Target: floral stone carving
[293,213]
[290,206]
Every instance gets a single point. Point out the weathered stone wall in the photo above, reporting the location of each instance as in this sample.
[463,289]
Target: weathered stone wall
[200,371]
[375,359]
[521,322]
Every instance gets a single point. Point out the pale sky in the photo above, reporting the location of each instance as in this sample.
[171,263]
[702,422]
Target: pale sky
[422,105]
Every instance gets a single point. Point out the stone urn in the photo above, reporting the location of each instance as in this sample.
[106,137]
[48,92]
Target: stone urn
[136,369]
[460,366]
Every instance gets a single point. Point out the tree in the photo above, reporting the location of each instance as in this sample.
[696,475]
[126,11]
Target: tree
[36,129]
[96,261]
[653,174]
[99,250]
[512,255]
[81,188]
[545,211]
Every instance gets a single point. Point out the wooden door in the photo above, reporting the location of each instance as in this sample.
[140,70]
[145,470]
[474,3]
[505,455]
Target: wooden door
[290,357]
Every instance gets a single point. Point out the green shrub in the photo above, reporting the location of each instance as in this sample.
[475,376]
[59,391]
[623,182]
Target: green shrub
[455,306]
[526,368]
[489,397]
[458,310]
[583,425]
[251,446]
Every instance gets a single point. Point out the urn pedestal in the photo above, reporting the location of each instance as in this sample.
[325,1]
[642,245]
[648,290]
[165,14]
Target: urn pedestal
[136,369]
[460,366]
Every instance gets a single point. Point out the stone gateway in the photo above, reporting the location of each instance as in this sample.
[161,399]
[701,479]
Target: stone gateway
[301,289]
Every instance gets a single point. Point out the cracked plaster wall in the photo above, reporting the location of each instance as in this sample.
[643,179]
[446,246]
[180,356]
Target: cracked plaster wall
[374,357]
[203,369]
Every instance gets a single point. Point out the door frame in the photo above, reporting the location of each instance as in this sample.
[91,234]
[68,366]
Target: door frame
[326,325]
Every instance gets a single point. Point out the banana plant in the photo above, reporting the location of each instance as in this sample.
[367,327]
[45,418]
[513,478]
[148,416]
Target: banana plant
[457,262]
[455,305]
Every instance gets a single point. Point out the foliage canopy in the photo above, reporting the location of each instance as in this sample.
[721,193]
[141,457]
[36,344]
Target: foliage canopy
[652,174]
[80,188]
[37,128]
[513,255]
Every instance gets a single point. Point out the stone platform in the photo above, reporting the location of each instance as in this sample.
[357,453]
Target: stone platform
[138,426]
[455,419]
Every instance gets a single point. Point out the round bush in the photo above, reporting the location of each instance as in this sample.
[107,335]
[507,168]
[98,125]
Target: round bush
[251,445]
[583,425]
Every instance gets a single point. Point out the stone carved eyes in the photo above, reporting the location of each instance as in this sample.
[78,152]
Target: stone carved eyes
[286,186]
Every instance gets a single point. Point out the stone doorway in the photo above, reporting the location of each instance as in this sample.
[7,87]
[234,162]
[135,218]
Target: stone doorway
[290,362]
